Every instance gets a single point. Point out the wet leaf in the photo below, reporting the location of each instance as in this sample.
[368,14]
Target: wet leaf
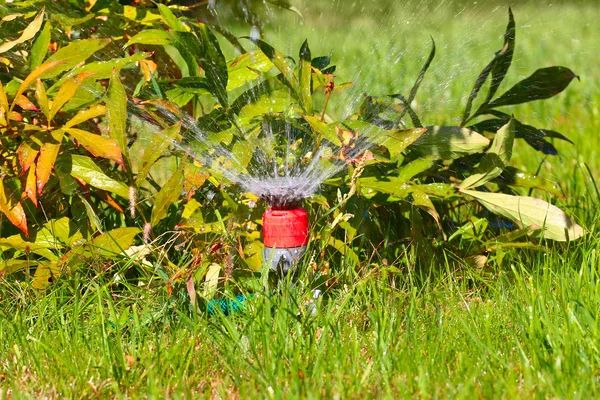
[243,69]
[47,157]
[46,274]
[12,208]
[495,159]
[279,60]
[213,62]
[513,177]
[72,54]
[101,69]
[25,103]
[170,18]
[167,195]
[449,142]
[542,84]
[473,229]
[85,169]
[84,115]
[40,47]
[29,32]
[421,200]
[116,112]
[304,77]
[530,212]
[29,150]
[151,37]
[160,142]
[211,281]
[33,76]
[326,130]
[112,242]
[42,98]
[97,145]
[58,233]
[67,91]
[30,186]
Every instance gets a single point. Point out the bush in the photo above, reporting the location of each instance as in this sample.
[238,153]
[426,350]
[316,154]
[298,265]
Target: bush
[126,135]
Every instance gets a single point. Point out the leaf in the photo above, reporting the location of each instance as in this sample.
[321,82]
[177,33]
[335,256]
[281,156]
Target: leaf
[168,194]
[421,200]
[513,177]
[449,142]
[400,140]
[112,242]
[499,65]
[27,34]
[326,130]
[160,142]
[30,187]
[473,229]
[58,233]
[3,100]
[33,76]
[503,58]
[72,54]
[211,59]
[66,91]
[12,208]
[542,84]
[97,145]
[211,281]
[40,47]
[47,157]
[246,68]
[16,242]
[530,212]
[495,159]
[304,75]
[46,274]
[84,115]
[42,98]
[8,267]
[279,60]
[29,150]
[85,169]
[151,37]
[170,18]
[25,104]
[101,69]
[116,112]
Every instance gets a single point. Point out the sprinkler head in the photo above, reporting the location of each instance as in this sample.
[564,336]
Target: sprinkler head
[285,235]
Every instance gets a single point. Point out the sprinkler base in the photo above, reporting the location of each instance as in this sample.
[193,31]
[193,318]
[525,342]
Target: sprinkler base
[283,260]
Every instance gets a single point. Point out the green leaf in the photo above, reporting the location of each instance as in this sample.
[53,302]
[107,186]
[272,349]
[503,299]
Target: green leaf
[16,242]
[29,32]
[304,75]
[170,18]
[58,233]
[84,168]
[400,140]
[243,69]
[113,242]
[449,142]
[66,92]
[498,67]
[495,159]
[116,112]
[395,140]
[280,61]
[101,69]
[213,62]
[513,177]
[40,47]
[326,130]
[160,142]
[421,200]
[167,195]
[73,54]
[530,212]
[542,84]
[471,230]
[151,37]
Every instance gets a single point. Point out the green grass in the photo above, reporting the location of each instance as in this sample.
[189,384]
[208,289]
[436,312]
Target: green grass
[528,325]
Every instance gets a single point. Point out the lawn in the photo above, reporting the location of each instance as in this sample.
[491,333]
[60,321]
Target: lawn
[526,325]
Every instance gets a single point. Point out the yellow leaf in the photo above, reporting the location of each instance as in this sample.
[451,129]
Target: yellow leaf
[27,34]
[67,91]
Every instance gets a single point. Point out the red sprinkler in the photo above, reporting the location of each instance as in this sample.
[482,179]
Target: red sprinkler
[285,232]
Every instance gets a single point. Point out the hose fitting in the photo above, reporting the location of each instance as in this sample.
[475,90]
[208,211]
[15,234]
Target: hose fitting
[285,236]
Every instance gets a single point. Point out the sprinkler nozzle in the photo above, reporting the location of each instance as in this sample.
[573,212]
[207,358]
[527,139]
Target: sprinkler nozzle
[285,235]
